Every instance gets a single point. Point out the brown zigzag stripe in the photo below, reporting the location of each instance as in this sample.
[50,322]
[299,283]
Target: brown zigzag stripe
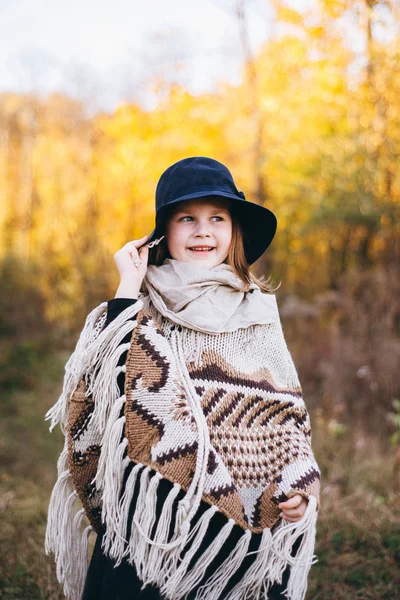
[306,479]
[147,416]
[145,320]
[159,360]
[223,490]
[215,373]
[257,508]
[276,412]
[80,425]
[273,413]
[256,516]
[212,462]
[225,413]
[287,419]
[214,400]
[301,420]
[250,403]
[178,453]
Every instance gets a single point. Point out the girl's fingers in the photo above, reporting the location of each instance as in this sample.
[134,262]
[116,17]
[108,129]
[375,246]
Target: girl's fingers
[137,243]
[292,502]
[293,512]
[291,520]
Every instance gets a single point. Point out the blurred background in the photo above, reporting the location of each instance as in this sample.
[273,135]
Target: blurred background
[301,100]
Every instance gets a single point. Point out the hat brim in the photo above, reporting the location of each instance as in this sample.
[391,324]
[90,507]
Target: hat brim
[258,223]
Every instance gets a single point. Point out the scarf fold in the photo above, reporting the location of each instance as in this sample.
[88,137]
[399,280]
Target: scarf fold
[220,416]
[207,300]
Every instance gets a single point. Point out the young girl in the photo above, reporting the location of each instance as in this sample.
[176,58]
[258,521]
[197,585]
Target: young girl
[187,440]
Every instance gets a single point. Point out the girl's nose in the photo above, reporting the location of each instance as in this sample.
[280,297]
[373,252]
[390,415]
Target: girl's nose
[202,228]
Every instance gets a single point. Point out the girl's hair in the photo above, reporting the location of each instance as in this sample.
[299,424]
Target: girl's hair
[236,256]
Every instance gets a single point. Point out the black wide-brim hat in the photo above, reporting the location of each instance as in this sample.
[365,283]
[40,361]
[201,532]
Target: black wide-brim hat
[199,176]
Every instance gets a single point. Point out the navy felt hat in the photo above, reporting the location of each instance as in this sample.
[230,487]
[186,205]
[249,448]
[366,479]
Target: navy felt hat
[199,176]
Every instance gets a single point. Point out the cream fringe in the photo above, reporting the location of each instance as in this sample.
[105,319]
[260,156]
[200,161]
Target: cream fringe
[115,546]
[153,574]
[216,583]
[274,557]
[147,516]
[182,582]
[58,413]
[95,356]
[64,537]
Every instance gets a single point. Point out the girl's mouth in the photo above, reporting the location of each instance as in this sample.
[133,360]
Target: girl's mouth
[201,249]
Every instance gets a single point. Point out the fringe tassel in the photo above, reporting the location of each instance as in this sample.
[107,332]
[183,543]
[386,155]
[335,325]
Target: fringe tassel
[254,579]
[172,550]
[63,537]
[113,484]
[301,563]
[110,442]
[58,413]
[102,379]
[212,589]
[83,560]
[66,533]
[181,583]
[274,555]
[152,575]
[62,489]
[139,509]
[145,524]
[115,541]
[110,474]
[96,355]
[182,534]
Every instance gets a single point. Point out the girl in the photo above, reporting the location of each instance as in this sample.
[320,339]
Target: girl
[188,442]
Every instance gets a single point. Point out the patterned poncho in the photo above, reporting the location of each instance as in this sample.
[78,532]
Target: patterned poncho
[220,416]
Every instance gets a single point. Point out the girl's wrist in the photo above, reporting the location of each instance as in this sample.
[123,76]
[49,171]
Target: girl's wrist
[128,288]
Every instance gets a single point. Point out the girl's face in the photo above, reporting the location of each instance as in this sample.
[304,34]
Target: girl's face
[199,231]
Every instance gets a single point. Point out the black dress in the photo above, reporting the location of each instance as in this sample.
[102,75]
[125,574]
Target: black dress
[105,582]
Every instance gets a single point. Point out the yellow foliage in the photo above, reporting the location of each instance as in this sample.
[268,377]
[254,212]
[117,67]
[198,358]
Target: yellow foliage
[319,146]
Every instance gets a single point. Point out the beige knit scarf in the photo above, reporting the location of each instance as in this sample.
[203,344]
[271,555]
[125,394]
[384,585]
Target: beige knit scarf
[207,300]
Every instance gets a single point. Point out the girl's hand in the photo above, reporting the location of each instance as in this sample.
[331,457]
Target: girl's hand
[294,508]
[127,256]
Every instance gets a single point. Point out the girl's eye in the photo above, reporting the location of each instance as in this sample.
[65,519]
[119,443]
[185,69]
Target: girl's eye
[188,217]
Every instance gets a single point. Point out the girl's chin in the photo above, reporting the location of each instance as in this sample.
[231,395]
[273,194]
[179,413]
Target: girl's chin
[202,253]
[209,259]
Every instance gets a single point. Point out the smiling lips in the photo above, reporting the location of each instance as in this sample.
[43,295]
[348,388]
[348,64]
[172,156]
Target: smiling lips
[201,248]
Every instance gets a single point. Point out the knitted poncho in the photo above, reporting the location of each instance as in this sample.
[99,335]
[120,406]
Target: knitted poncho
[223,419]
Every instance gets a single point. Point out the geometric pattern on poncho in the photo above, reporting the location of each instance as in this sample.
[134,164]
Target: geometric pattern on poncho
[84,449]
[260,432]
